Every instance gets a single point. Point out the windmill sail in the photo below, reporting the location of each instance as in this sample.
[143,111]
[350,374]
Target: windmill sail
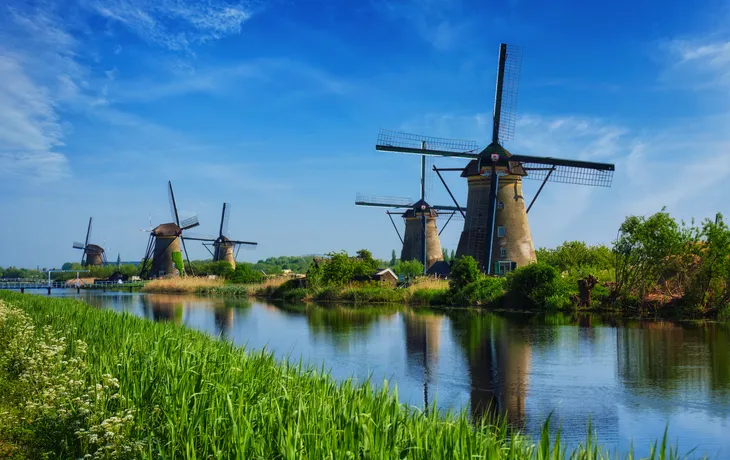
[224,220]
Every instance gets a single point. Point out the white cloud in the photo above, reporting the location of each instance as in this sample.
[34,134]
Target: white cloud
[38,72]
[698,63]
[176,24]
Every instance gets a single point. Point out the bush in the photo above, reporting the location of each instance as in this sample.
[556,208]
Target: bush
[244,274]
[532,285]
[431,296]
[464,271]
[409,268]
[484,291]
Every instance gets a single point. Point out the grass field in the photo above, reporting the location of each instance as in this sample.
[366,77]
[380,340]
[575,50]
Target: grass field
[76,381]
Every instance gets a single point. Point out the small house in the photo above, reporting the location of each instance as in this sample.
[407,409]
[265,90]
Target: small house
[386,276]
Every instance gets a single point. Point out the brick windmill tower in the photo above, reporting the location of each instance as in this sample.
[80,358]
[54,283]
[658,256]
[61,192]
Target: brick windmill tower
[93,254]
[163,256]
[496,230]
[421,235]
[224,248]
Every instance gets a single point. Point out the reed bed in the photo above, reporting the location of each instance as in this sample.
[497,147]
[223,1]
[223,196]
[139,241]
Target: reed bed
[181,285]
[196,397]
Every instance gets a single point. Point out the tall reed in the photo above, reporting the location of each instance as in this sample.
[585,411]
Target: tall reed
[197,397]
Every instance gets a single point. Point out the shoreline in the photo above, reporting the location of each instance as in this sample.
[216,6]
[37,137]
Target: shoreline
[436,299]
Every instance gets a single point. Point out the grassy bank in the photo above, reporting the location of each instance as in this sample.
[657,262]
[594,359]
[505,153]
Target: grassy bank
[76,381]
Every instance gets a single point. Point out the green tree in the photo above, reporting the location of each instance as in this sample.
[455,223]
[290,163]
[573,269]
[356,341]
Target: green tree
[409,268]
[393,259]
[643,247]
[339,269]
[245,274]
[464,271]
[445,254]
[451,259]
[711,274]
[537,285]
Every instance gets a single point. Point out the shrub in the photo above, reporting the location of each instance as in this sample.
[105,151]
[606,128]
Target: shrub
[464,271]
[531,286]
[484,291]
[244,274]
[409,268]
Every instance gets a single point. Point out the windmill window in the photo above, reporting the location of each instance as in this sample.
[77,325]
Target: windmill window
[501,232]
[500,205]
[503,252]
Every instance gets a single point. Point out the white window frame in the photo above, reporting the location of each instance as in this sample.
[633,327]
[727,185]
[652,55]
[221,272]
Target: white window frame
[500,205]
[503,251]
[501,231]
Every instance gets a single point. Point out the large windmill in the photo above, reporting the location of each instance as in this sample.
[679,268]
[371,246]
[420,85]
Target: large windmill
[496,232]
[92,254]
[421,236]
[223,246]
[163,256]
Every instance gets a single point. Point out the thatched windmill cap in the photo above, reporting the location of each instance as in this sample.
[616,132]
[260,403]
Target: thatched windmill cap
[94,249]
[169,229]
[415,211]
[514,166]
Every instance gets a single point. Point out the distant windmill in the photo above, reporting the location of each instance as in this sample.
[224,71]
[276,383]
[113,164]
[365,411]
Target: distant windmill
[494,178]
[163,256]
[223,246]
[92,254]
[421,236]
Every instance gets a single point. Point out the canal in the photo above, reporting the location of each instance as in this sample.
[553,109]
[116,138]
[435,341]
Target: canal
[630,378]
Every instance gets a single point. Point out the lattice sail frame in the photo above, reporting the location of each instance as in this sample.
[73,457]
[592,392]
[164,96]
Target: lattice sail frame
[389,138]
[568,174]
[537,168]
[510,90]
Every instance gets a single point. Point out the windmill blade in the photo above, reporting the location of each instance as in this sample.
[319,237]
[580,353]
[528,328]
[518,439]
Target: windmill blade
[245,243]
[182,240]
[505,100]
[88,233]
[78,245]
[199,237]
[383,201]
[247,246]
[451,216]
[439,207]
[393,141]
[563,171]
[190,222]
[224,219]
[173,205]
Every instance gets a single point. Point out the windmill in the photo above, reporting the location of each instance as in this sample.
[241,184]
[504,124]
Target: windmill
[494,177]
[421,236]
[163,256]
[223,246]
[92,254]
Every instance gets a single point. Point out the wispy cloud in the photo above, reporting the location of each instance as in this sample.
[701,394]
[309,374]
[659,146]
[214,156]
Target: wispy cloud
[698,63]
[177,24]
[38,73]
[439,22]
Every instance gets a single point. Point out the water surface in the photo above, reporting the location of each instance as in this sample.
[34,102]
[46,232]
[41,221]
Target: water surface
[630,378]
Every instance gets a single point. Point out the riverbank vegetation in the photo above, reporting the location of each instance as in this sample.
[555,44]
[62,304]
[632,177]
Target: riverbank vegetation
[79,382]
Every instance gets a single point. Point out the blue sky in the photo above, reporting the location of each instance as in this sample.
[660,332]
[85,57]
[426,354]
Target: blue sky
[275,107]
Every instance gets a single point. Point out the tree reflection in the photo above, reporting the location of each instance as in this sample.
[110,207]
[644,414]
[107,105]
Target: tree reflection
[344,324]
[664,356]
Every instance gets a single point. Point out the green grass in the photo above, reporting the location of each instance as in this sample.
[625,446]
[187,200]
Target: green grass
[197,397]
